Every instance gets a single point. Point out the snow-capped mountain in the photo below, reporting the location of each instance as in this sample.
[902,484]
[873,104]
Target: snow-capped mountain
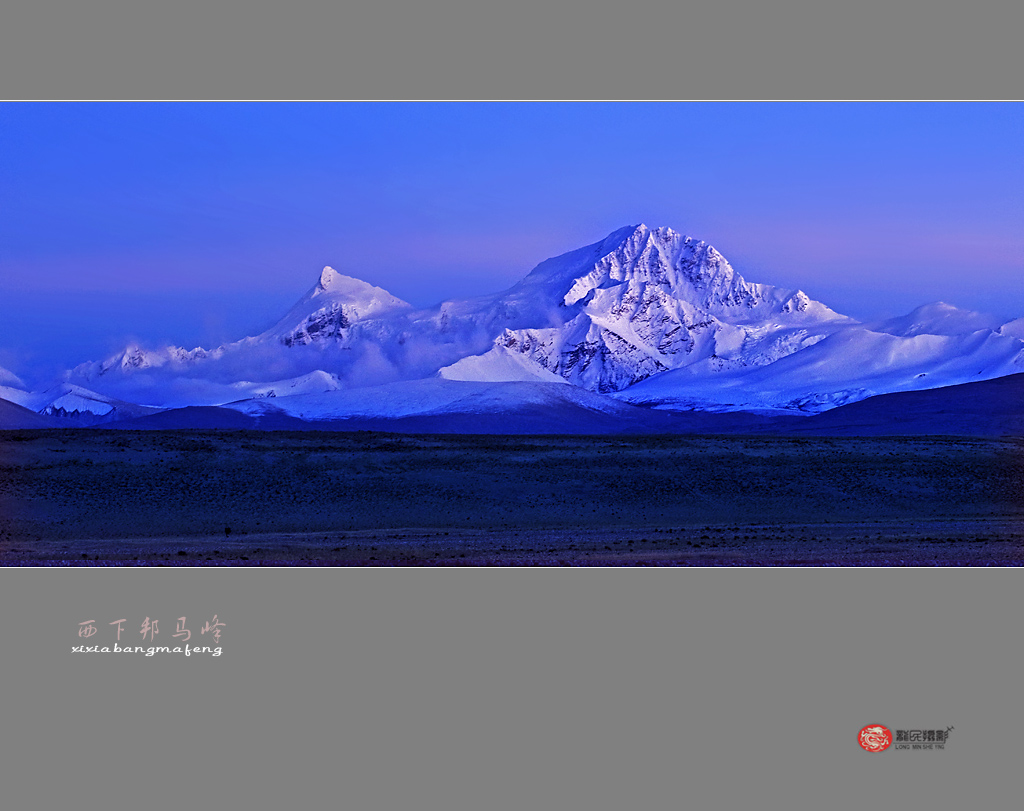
[651,301]
[645,316]
[343,330]
[73,404]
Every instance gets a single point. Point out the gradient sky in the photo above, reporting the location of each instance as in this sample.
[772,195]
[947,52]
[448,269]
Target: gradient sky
[196,224]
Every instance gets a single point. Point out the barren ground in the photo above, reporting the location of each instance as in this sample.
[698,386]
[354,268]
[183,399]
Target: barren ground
[260,498]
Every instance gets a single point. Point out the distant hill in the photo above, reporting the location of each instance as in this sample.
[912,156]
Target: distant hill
[551,417]
[203,418]
[987,408]
[14,416]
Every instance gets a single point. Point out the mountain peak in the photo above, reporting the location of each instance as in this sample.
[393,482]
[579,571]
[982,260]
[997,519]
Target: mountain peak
[638,255]
[636,238]
[332,281]
[328,311]
[354,291]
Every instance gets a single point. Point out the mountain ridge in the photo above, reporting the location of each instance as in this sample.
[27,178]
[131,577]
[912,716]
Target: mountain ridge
[646,316]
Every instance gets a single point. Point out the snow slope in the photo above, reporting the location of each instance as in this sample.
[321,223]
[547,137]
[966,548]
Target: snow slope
[847,366]
[428,396]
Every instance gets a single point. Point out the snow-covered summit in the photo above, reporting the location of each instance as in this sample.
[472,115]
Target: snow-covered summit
[937,318]
[354,292]
[336,302]
[690,269]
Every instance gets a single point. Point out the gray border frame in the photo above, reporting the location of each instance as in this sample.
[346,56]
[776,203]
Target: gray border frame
[511,688]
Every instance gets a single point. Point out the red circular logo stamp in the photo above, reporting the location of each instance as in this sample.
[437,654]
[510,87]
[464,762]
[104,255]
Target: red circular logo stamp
[875,738]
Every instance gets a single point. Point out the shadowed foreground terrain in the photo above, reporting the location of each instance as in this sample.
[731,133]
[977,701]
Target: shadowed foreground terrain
[88,497]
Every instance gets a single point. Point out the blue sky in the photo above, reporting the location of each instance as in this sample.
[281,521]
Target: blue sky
[195,224]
